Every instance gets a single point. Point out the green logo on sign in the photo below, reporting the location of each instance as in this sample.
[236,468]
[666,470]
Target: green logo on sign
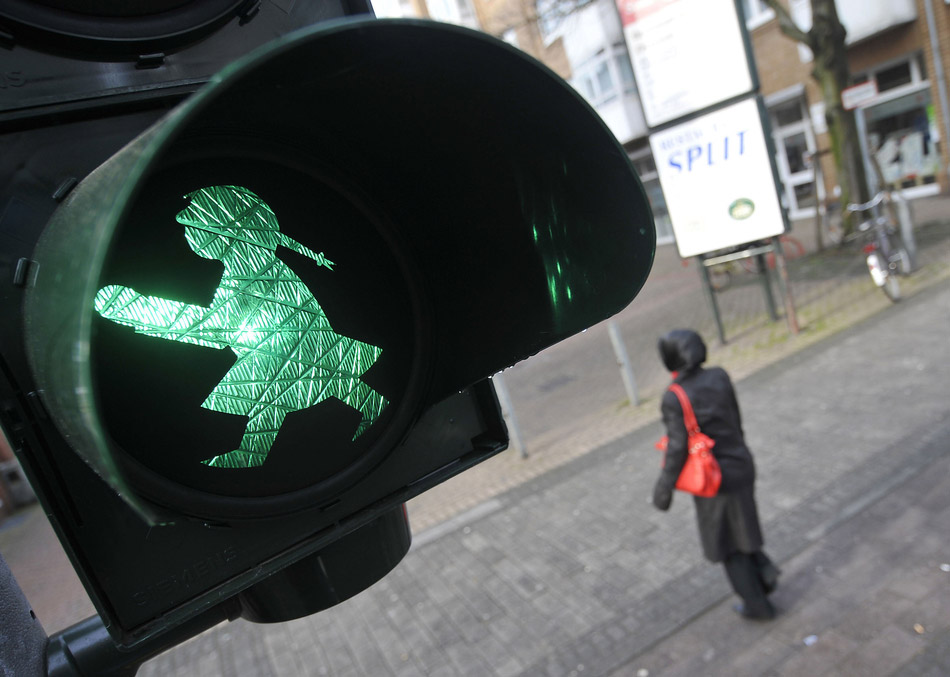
[288,356]
[741,208]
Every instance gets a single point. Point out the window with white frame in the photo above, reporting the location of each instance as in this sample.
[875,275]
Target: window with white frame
[757,13]
[605,76]
[646,169]
[511,37]
[905,72]
[550,14]
[467,15]
[460,12]
[794,143]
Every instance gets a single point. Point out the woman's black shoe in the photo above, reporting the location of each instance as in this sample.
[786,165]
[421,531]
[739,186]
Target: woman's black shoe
[767,612]
[769,576]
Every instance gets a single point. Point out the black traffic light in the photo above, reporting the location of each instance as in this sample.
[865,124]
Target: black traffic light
[269,320]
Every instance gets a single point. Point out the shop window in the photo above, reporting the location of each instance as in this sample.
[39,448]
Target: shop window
[901,128]
[902,134]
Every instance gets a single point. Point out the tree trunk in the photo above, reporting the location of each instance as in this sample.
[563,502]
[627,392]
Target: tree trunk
[827,37]
[830,71]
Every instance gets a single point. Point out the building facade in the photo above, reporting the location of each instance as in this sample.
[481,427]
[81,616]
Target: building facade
[899,54]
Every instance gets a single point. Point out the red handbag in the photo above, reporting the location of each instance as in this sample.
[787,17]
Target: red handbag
[701,474]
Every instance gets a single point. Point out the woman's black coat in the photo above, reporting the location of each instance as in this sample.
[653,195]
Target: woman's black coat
[728,522]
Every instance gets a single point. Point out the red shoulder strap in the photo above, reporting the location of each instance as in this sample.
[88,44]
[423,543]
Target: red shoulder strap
[689,418]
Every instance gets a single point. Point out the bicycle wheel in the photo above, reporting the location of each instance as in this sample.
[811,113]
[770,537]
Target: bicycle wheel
[892,287]
[719,278]
[884,277]
[793,249]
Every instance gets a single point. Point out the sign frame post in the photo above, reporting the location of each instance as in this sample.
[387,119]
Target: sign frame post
[678,100]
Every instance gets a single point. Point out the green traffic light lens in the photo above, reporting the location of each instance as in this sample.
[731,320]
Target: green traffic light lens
[255,334]
[288,356]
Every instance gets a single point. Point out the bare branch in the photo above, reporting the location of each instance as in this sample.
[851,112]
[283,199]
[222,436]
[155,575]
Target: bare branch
[787,24]
[549,12]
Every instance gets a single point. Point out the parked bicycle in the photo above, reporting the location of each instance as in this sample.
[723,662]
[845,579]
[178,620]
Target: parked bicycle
[886,256]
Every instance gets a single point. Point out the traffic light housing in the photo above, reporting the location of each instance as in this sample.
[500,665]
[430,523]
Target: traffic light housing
[436,206]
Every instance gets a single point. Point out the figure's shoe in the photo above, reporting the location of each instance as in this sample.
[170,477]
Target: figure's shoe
[766,613]
[769,574]
[236,459]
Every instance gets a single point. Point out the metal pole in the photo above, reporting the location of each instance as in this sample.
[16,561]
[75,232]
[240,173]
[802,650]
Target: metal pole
[906,220]
[762,269]
[85,649]
[874,184]
[711,297]
[22,638]
[790,315]
[623,361]
[508,411]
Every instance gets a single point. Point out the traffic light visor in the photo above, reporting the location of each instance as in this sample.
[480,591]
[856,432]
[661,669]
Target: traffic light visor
[245,309]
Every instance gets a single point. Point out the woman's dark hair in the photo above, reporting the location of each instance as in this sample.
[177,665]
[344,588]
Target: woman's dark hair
[682,350]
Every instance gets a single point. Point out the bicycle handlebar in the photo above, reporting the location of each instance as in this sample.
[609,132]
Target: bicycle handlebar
[874,202]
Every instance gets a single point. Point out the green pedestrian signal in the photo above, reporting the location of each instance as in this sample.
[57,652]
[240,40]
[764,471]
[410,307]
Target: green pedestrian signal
[288,355]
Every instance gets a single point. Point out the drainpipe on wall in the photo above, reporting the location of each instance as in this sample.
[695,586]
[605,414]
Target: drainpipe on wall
[938,72]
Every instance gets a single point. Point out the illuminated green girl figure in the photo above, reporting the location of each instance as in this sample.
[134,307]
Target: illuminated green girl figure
[288,356]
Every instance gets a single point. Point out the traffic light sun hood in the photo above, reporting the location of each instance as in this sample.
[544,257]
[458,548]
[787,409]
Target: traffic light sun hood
[299,365]
[270,319]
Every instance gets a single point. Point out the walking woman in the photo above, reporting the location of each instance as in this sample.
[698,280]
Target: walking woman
[728,522]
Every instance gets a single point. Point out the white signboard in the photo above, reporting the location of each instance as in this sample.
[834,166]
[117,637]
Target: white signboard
[686,55]
[717,180]
[854,96]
